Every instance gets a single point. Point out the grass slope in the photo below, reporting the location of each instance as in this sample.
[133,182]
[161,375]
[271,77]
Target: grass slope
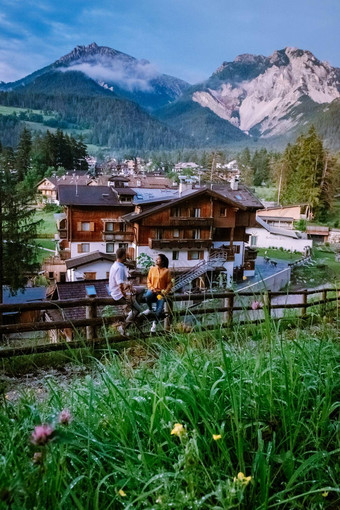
[247,421]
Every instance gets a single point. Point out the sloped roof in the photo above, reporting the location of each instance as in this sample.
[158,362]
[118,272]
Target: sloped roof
[134,216]
[277,230]
[96,196]
[240,196]
[93,256]
[77,290]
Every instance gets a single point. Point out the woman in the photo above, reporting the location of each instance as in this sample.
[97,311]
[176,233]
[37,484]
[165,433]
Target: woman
[159,285]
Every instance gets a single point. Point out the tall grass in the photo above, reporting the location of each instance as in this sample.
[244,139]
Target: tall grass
[259,402]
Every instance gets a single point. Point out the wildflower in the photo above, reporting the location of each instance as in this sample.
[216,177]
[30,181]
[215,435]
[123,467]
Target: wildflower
[216,437]
[122,493]
[178,430]
[159,296]
[64,417]
[256,305]
[325,494]
[244,278]
[42,434]
[241,478]
[37,458]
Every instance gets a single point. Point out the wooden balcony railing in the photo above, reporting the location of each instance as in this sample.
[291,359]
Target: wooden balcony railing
[197,244]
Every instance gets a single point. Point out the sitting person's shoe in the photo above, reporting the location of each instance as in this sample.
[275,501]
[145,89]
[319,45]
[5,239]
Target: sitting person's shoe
[121,331]
[153,327]
[146,312]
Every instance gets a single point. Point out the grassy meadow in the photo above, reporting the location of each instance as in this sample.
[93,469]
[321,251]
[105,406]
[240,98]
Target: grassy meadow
[243,419]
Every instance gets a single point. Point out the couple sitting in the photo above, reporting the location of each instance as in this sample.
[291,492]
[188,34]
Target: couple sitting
[158,286]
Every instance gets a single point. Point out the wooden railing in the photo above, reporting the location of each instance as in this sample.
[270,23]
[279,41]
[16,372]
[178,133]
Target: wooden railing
[238,306]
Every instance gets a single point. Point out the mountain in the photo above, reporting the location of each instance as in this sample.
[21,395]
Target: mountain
[116,72]
[122,102]
[262,96]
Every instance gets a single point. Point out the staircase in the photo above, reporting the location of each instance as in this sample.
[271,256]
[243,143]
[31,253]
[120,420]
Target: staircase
[215,260]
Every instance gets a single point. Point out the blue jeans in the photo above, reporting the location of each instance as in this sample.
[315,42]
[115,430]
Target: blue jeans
[150,298]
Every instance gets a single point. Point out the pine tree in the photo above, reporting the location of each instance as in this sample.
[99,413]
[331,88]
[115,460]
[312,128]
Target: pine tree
[23,154]
[18,253]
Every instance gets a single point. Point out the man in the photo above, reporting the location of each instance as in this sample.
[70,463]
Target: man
[159,285]
[120,288]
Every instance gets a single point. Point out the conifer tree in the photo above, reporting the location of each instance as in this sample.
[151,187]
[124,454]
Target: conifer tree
[23,153]
[18,253]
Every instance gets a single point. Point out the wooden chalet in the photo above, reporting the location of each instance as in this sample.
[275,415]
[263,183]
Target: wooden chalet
[189,228]
[92,220]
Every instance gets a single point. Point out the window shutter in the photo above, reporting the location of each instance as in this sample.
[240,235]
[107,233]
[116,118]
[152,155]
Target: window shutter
[79,226]
[79,248]
[92,226]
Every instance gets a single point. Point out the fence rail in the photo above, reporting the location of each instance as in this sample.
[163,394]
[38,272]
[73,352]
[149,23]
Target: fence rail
[237,306]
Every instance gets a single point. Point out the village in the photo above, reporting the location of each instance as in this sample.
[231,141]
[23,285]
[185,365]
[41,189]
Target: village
[216,236]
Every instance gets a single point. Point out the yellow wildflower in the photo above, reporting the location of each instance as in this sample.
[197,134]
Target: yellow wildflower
[325,494]
[242,478]
[244,278]
[159,296]
[122,493]
[216,437]
[178,430]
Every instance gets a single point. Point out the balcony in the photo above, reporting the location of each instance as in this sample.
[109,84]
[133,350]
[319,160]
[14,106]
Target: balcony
[228,253]
[185,221]
[250,254]
[177,244]
[127,237]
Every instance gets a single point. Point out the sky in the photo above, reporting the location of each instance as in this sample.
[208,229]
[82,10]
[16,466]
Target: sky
[188,39]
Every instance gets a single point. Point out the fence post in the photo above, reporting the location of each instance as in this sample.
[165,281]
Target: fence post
[304,302]
[324,299]
[231,308]
[168,308]
[91,313]
[267,298]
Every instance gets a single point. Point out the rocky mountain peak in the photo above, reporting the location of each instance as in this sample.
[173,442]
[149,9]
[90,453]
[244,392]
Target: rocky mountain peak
[86,53]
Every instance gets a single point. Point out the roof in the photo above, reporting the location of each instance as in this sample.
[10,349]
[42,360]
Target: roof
[97,196]
[276,218]
[145,195]
[26,295]
[277,230]
[77,290]
[134,216]
[317,230]
[125,191]
[93,256]
[240,196]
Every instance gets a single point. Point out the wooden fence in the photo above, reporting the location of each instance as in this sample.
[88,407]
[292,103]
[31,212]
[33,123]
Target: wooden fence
[240,307]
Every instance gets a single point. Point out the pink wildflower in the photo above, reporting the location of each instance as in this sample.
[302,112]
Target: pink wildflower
[42,434]
[64,417]
[256,305]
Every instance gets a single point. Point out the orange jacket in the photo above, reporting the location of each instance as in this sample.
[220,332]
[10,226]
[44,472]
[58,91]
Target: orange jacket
[159,278]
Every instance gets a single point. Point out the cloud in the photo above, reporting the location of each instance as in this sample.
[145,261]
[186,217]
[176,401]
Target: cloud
[130,74]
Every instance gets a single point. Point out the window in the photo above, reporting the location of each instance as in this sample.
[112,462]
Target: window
[195,255]
[176,212]
[109,226]
[123,245]
[62,277]
[122,227]
[84,248]
[125,199]
[51,275]
[85,226]
[175,255]
[253,240]
[89,275]
[90,290]
[110,247]
[176,232]
[223,211]
[195,212]
[159,233]
[196,233]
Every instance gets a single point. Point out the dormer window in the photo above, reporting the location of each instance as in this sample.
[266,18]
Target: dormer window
[125,198]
